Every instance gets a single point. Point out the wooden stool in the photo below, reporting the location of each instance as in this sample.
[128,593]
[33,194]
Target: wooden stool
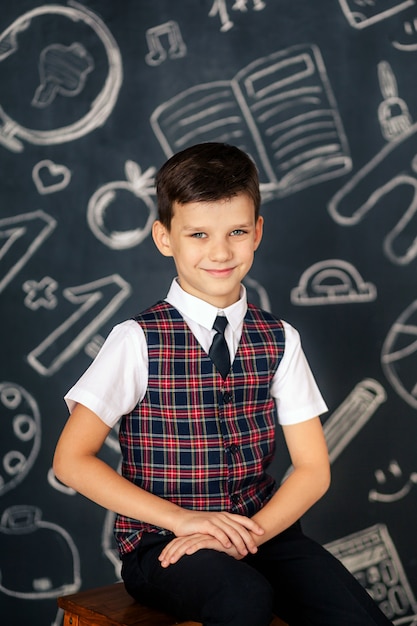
[112,606]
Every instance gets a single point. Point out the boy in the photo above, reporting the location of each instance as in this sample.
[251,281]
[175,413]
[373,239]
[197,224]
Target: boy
[202,529]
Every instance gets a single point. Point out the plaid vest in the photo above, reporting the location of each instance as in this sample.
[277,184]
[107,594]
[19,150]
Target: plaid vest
[200,441]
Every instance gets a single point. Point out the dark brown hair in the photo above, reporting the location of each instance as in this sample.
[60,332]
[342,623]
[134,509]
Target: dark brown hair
[203,173]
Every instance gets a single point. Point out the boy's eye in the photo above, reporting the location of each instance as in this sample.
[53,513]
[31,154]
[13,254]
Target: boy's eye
[238,231]
[198,235]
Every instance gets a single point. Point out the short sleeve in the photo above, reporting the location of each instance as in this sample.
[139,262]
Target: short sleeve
[117,378]
[294,388]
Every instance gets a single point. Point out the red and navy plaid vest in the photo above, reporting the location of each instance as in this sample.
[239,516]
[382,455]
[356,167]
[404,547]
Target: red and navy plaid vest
[200,441]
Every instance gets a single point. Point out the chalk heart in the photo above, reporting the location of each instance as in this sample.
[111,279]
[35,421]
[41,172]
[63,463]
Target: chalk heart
[50,177]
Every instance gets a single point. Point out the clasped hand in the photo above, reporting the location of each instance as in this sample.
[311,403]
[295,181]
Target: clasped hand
[225,532]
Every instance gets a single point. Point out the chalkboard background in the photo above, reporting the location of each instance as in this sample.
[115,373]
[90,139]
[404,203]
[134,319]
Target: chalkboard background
[94,97]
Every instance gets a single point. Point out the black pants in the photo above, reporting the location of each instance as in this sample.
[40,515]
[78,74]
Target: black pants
[290,575]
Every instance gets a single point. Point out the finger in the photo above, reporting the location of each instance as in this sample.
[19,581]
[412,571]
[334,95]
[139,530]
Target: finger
[230,530]
[177,548]
[168,551]
[204,543]
[248,523]
[238,529]
[240,538]
[219,530]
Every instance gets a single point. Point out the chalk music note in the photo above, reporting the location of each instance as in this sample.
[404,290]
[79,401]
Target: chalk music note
[157,53]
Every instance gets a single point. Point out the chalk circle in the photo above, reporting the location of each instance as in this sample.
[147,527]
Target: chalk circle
[98,208]
[11,131]
[24,427]
[14,462]
[399,355]
[21,434]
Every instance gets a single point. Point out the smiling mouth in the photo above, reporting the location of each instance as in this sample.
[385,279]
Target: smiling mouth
[220,272]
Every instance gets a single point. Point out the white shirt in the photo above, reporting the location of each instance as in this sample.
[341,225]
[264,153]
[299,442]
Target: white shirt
[117,379]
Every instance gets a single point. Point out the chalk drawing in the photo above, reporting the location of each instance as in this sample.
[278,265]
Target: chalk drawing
[59,619]
[399,354]
[50,177]
[352,415]
[141,186]
[346,422]
[108,545]
[363,13]
[155,37]
[92,348]
[393,114]
[220,8]
[402,485]
[21,434]
[96,303]
[280,109]
[242,5]
[56,484]
[256,293]
[108,542]
[371,556]
[410,32]
[394,167]
[63,71]
[332,281]
[20,237]
[40,294]
[24,538]
[11,132]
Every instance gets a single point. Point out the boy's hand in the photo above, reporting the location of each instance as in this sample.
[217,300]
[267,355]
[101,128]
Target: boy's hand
[229,529]
[190,544]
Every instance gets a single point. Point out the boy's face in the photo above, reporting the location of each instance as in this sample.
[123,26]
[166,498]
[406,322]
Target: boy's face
[213,245]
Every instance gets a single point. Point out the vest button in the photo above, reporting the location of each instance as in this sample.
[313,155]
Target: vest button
[234,449]
[235,498]
[227,397]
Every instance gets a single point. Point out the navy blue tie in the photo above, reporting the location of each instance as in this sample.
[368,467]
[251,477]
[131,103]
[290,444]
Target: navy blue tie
[219,352]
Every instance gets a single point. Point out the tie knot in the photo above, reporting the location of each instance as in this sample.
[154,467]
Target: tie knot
[220,324]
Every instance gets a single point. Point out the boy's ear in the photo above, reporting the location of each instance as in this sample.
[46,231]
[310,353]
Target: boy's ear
[161,238]
[259,226]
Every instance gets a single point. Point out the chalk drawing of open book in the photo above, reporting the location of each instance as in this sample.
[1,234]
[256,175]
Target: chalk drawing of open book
[280,109]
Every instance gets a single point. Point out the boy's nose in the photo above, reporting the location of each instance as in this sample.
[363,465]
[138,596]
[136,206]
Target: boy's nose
[220,251]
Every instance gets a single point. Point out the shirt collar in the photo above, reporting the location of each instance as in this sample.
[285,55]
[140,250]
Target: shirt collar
[204,313]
